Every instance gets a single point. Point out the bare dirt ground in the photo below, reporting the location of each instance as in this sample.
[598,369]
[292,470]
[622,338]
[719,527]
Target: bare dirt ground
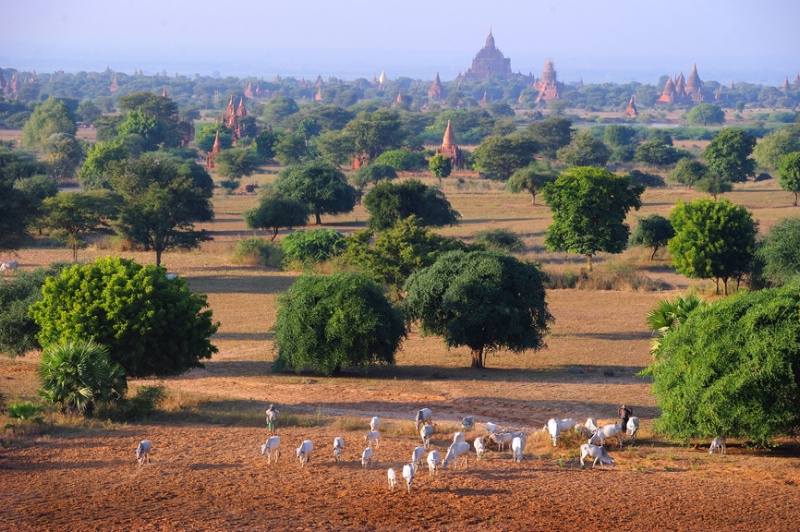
[207,473]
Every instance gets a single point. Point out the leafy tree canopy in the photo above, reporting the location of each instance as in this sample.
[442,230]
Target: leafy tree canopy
[274,212]
[652,231]
[151,325]
[97,166]
[48,118]
[401,160]
[319,185]
[732,369]
[440,166]
[483,300]
[705,113]
[728,155]
[769,151]
[374,133]
[237,162]
[589,208]
[789,173]
[500,157]
[687,172]
[327,323]
[713,240]
[372,173]
[551,135]
[584,150]
[531,179]
[780,251]
[387,203]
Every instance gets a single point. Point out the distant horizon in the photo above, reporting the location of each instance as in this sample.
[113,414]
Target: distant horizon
[619,41]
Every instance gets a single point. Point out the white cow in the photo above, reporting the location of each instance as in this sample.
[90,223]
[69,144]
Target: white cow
[366,457]
[501,439]
[304,452]
[606,432]
[491,428]
[591,425]
[392,479]
[557,426]
[373,439]
[425,433]
[338,446]
[480,447]
[468,423]
[458,437]
[417,455]
[517,448]
[271,447]
[454,452]
[424,415]
[633,427]
[408,474]
[598,452]
[718,444]
[434,459]
[143,451]
[10,266]
[374,423]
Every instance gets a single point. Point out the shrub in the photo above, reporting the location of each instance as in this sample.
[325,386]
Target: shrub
[500,240]
[25,411]
[310,247]
[646,180]
[229,185]
[402,160]
[257,252]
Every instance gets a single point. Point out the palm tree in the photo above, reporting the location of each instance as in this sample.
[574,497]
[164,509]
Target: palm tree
[78,374]
[669,314]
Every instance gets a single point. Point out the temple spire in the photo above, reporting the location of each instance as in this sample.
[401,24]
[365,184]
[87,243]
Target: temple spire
[449,138]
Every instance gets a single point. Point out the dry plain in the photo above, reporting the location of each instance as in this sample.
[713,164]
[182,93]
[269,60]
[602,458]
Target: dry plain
[207,472]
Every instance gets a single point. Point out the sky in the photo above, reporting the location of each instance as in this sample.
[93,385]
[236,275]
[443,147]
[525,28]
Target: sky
[593,40]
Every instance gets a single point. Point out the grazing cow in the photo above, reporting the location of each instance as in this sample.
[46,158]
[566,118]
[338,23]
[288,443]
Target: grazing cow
[304,452]
[454,452]
[517,448]
[501,439]
[718,444]
[557,426]
[392,479]
[366,457]
[424,415]
[425,433]
[606,432]
[374,423]
[373,439]
[338,445]
[633,427]
[10,266]
[408,474]
[271,447]
[468,423]
[417,455]
[143,452]
[480,447]
[434,459]
[598,452]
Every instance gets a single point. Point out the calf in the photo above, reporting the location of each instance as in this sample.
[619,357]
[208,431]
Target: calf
[597,452]
[501,439]
[392,479]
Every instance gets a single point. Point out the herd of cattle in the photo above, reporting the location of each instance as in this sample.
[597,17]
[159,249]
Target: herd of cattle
[459,450]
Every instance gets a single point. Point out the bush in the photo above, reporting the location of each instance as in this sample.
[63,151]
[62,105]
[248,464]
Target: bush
[257,252]
[646,180]
[500,240]
[560,280]
[402,160]
[229,185]
[311,247]
[25,411]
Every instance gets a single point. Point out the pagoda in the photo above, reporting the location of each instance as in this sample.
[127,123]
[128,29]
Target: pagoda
[214,152]
[548,86]
[114,87]
[233,115]
[786,87]
[248,92]
[689,91]
[796,82]
[631,111]
[450,150]
[436,92]
[489,61]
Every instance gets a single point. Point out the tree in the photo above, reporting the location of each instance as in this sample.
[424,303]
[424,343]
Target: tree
[152,130]
[328,322]
[388,203]
[780,251]
[278,109]
[731,368]
[589,208]
[153,117]
[290,148]
[483,300]
[87,112]
[712,183]
[162,199]
[617,136]
[656,153]
[372,173]
[551,135]
[77,375]
[653,231]
[374,133]
[237,162]
[312,247]
[705,113]
[321,186]
[728,155]
[499,157]
[71,216]
[97,166]
[17,329]
[150,324]
[48,118]
[584,150]
[713,240]
[401,160]
[769,151]
[274,212]
[687,172]
[440,166]
[265,144]
[17,210]
[63,155]
[336,147]
[206,136]
[531,179]
[789,173]
[395,253]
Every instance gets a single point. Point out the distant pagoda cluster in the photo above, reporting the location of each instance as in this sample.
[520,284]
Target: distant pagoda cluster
[685,91]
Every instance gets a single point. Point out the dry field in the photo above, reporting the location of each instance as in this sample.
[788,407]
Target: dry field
[207,472]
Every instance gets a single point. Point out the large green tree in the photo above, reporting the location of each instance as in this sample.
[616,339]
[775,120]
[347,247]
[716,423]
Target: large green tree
[531,179]
[274,212]
[319,185]
[789,173]
[279,109]
[48,118]
[656,153]
[772,147]
[551,135]
[163,197]
[72,216]
[732,369]
[687,172]
[150,324]
[713,240]
[372,173]
[63,155]
[589,208]
[483,300]
[440,166]
[329,322]
[237,162]
[374,133]
[705,113]
[97,166]
[388,203]
[780,251]
[728,154]
[584,150]
[499,157]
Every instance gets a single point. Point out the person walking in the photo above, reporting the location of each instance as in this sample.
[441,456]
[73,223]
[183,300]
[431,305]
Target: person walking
[624,413]
[272,418]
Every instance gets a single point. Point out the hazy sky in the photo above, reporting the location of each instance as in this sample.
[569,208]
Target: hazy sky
[597,40]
